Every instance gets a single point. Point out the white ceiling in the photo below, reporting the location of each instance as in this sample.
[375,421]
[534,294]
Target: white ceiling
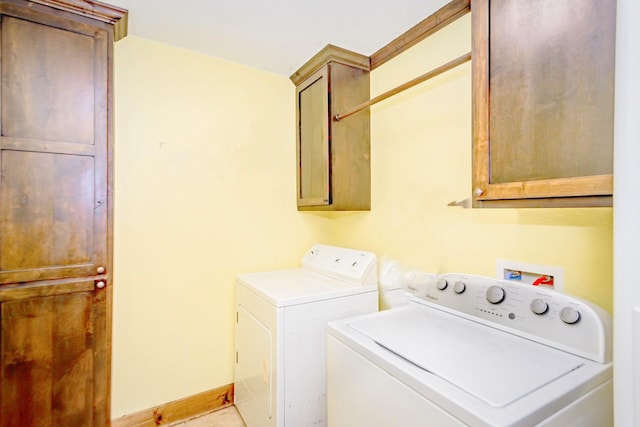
[276,35]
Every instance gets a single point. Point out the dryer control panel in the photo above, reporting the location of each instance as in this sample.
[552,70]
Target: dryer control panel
[542,315]
[350,265]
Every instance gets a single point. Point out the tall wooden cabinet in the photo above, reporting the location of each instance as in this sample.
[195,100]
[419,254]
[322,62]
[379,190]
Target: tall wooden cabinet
[333,157]
[543,83]
[56,211]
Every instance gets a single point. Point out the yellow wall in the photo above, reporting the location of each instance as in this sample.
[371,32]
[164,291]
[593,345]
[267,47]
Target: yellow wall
[205,189]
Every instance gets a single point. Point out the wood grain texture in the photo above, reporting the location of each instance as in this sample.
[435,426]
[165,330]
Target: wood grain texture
[56,213]
[542,101]
[46,288]
[329,53]
[110,14]
[178,410]
[53,148]
[58,105]
[551,80]
[21,144]
[480,95]
[312,148]
[433,23]
[333,158]
[350,140]
[597,185]
[553,202]
[46,363]
[46,206]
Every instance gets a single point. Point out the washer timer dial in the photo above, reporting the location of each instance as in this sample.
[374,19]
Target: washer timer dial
[569,315]
[495,294]
[459,287]
[539,306]
[442,284]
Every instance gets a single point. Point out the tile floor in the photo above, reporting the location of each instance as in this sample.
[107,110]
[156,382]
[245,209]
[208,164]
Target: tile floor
[227,417]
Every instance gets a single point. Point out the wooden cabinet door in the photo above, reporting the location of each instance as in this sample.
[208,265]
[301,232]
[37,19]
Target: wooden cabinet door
[53,356]
[55,300]
[53,146]
[313,140]
[543,80]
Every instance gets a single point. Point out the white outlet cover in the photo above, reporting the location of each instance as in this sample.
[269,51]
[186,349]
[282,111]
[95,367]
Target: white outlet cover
[537,269]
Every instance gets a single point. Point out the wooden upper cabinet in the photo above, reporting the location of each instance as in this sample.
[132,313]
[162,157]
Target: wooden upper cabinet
[543,87]
[333,157]
[53,146]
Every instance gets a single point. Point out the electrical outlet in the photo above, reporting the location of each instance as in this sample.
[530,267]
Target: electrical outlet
[549,277]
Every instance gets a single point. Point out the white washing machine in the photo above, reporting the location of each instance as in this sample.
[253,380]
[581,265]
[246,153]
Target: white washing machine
[473,351]
[281,318]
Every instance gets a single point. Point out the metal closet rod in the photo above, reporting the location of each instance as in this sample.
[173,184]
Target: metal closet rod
[441,69]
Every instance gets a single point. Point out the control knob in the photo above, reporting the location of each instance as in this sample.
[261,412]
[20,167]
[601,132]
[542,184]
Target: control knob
[442,284]
[459,287]
[569,315]
[539,306]
[495,294]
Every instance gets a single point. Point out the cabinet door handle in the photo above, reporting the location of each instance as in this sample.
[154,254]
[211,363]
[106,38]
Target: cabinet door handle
[100,284]
[100,270]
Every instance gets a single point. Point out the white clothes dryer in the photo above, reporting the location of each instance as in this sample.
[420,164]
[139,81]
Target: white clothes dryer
[280,342]
[473,351]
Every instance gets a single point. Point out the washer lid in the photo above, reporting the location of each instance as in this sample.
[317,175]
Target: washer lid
[494,366]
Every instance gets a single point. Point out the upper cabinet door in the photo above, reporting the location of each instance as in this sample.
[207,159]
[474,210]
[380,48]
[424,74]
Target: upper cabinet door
[313,140]
[543,82]
[53,147]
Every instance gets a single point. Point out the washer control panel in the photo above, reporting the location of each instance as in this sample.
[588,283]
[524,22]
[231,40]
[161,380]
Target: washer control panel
[353,266]
[543,315]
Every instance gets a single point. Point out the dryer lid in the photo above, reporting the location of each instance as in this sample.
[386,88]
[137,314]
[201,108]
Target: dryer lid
[494,366]
[283,288]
